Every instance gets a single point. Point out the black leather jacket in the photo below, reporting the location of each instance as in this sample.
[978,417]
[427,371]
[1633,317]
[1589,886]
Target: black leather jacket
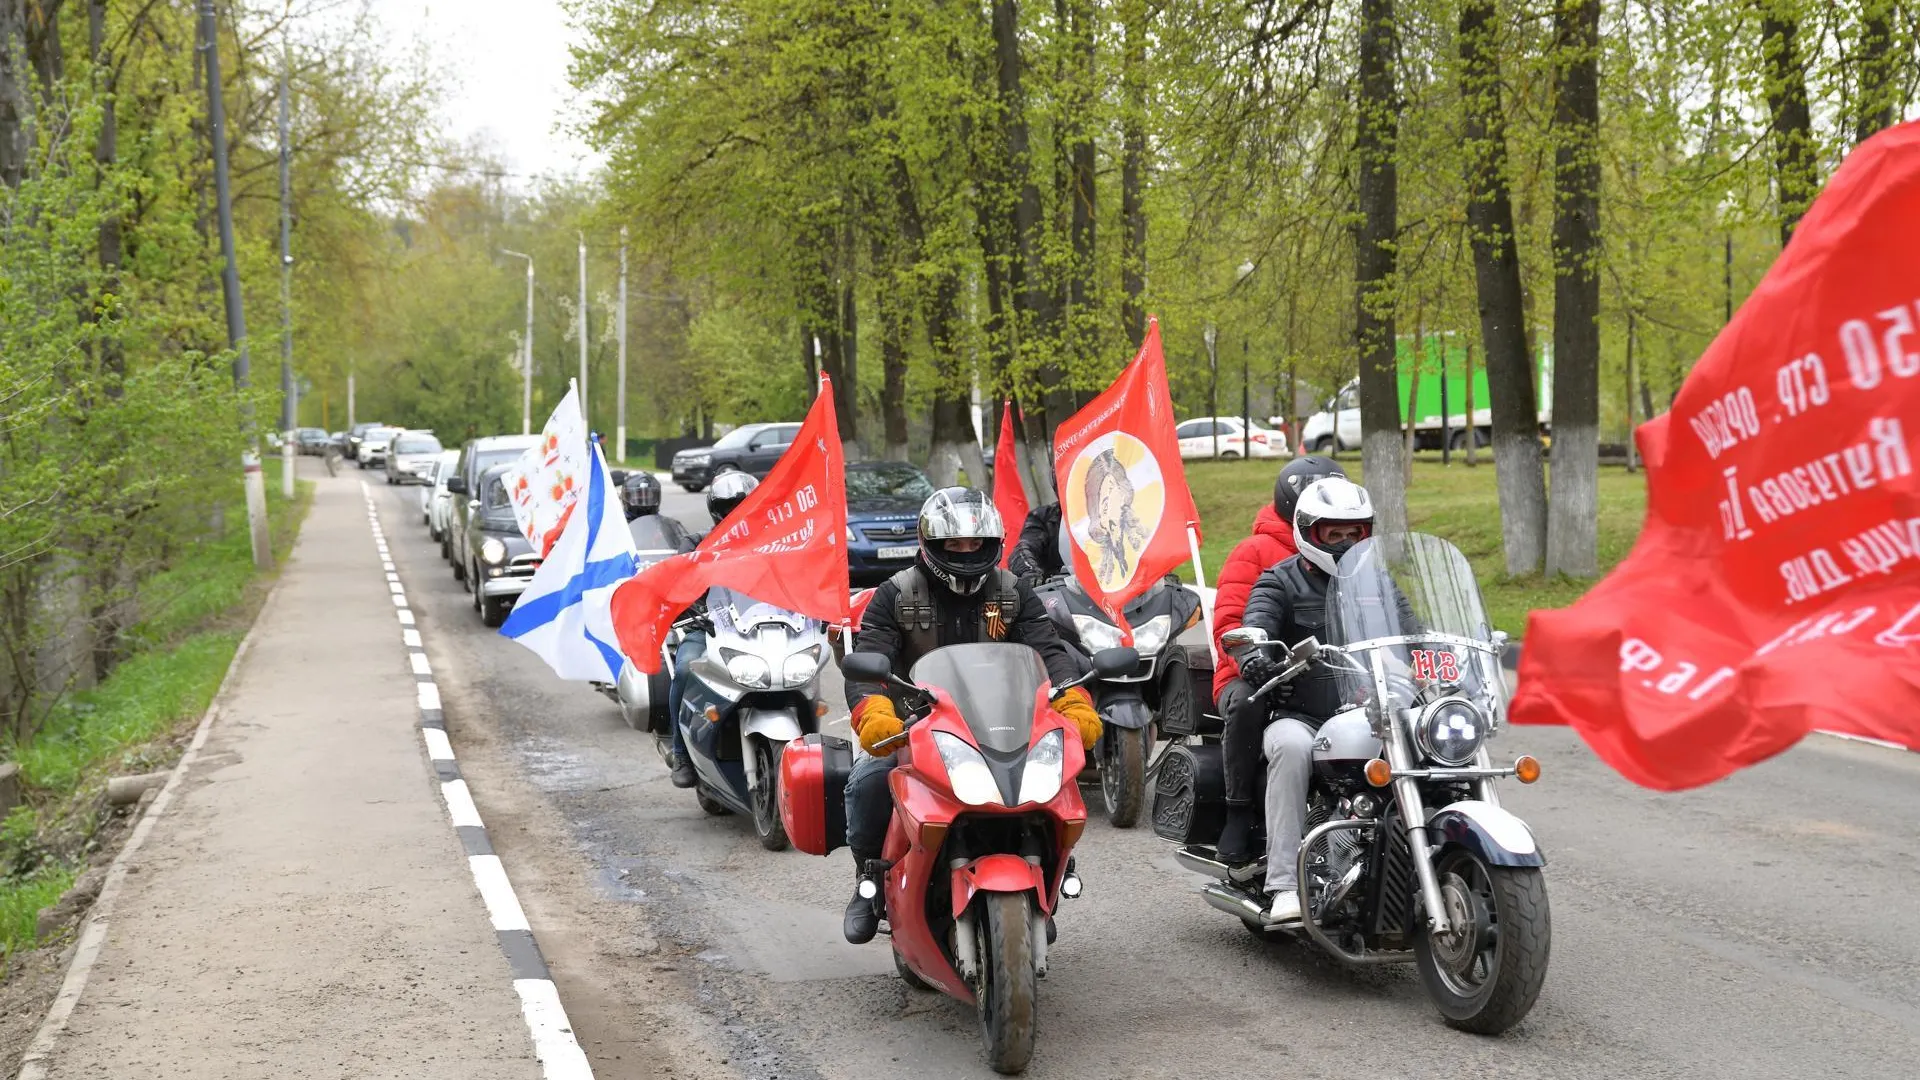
[957,621]
[1037,555]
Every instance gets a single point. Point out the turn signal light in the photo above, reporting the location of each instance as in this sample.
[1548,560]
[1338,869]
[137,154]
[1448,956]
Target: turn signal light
[1526,769]
[713,714]
[932,835]
[1379,773]
[820,709]
[1070,831]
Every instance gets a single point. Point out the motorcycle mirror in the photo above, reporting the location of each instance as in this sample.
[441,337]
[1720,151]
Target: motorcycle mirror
[1304,651]
[1115,663]
[867,666]
[1243,635]
[619,476]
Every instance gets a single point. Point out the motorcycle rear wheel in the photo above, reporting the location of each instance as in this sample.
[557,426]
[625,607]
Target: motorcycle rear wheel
[1485,975]
[1123,775]
[766,797]
[1004,990]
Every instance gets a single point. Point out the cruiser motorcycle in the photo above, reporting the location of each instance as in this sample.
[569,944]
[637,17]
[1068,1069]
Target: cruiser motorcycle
[1135,706]
[1408,855]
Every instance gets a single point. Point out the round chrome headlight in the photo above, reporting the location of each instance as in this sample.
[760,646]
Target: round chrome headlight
[493,552]
[1451,730]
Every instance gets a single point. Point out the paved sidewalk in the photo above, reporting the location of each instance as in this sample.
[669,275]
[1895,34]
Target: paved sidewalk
[303,907]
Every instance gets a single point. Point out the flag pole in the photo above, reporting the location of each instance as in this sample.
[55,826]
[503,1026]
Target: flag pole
[1200,579]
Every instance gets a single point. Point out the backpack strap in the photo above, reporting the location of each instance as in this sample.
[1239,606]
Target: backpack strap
[914,608]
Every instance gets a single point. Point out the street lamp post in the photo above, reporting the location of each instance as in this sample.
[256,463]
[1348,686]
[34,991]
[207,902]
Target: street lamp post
[1246,373]
[620,327]
[526,352]
[584,414]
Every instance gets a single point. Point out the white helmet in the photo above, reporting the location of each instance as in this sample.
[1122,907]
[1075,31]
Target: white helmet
[1334,500]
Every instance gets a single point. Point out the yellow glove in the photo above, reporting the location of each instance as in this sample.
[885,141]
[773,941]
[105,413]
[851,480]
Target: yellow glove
[1077,705]
[875,721]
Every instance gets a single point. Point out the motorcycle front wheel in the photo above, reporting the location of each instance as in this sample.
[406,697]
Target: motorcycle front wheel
[1485,974]
[1004,991]
[1123,774]
[765,796]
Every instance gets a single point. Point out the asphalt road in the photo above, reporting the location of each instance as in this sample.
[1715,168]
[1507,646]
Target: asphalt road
[1765,927]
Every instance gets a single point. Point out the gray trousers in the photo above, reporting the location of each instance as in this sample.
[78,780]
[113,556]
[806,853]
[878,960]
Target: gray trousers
[1287,746]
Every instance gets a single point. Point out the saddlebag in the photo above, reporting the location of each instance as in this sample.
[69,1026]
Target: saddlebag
[1195,664]
[1190,795]
[813,792]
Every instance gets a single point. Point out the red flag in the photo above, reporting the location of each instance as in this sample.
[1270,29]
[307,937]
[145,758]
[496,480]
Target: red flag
[1122,489]
[1008,496]
[1775,588]
[783,545]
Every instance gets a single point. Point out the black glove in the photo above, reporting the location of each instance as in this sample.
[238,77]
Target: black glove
[1258,669]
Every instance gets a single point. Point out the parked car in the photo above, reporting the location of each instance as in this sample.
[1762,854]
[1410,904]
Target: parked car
[434,492]
[373,446]
[883,511]
[412,457]
[311,440]
[1197,439]
[357,433]
[690,469]
[750,448]
[463,488]
[657,537]
[498,559]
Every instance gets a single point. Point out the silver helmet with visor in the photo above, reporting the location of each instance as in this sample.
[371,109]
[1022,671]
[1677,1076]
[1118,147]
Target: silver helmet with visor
[961,535]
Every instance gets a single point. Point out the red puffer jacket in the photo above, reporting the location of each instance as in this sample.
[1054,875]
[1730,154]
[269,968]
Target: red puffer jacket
[1271,543]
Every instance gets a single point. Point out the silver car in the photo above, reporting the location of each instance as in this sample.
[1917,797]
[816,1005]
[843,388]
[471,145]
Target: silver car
[373,446]
[412,456]
[435,501]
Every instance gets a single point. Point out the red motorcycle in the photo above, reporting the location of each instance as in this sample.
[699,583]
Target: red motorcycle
[980,849]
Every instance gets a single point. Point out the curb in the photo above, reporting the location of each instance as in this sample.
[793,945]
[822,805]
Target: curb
[554,1044]
[93,933]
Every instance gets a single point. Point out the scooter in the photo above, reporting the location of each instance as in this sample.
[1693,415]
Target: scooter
[754,689]
[980,849]
[1135,707]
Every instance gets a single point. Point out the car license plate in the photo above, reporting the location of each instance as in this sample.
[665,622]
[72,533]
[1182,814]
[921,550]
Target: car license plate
[905,552]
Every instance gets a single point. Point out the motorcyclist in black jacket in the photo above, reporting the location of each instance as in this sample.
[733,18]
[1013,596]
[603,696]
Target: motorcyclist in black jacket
[954,594]
[727,491]
[640,494]
[1037,555]
[1289,602]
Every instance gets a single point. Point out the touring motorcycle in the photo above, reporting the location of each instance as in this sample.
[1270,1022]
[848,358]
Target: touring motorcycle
[1134,706]
[754,689]
[980,849]
[1408,854]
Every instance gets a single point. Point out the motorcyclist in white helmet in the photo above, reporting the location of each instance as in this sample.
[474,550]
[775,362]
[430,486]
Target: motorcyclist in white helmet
[1289,602]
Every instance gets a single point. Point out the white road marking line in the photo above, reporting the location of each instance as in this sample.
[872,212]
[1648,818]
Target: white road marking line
[399,599]
[502,906]
[553,1043]
[406,617]
[438,748]
[394,586]
[459,802]
[391,576]
[410,637]
[429,696]
[419,662]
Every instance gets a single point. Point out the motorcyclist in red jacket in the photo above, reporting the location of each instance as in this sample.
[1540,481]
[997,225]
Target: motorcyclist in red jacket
[1271,543]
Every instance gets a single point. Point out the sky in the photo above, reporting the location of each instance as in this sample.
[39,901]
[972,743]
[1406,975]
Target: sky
[507,65]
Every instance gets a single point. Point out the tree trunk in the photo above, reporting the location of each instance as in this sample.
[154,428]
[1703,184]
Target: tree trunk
[846,388]
[1133,164]
[1381,449]
[1078,324]
[1473,426]
[1035,315]
[44,48]
[13,94]
[105,156]
[1573,512]
[1519,472]
[1795,165]
[1879,70]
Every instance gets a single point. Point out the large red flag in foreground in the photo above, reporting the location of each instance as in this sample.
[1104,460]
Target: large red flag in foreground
[1775,589]
[1009,497]
[783,545]
[1122,489]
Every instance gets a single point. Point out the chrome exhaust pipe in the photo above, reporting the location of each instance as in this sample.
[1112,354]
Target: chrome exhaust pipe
[1200,864]
[1234,903]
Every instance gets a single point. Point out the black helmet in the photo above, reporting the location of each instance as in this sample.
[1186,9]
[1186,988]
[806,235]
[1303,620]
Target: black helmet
[958,513]
[728,490]
[640,494]
[1294,479]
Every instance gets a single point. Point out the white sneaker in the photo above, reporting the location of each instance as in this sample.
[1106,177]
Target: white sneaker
[1285,908]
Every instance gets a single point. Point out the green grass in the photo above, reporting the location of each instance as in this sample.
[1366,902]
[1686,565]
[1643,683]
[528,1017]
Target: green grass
[22,899]
[1451,501]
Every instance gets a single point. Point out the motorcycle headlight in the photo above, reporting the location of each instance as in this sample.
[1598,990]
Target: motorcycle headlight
[493,552]
[1096,634]
[1451,730]
[746,669]
[1149,636]
[801,666]
[1041,780]
[967,771]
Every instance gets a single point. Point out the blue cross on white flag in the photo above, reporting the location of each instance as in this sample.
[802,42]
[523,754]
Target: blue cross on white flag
[564,615]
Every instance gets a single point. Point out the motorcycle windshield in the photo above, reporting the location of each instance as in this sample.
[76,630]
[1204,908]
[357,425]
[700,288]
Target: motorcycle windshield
[993,686]
[1407,608]
[744,613]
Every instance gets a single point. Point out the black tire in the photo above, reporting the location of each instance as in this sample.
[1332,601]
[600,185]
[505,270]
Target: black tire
[493,611]
[1504,950]
[1004,990]
[474,587]
[766,798]
[1229,455]
[459,567]
[710,804]
[1323,445]
[907,976]
[693,489]
[1123,775]
[446,546]
[1458,440]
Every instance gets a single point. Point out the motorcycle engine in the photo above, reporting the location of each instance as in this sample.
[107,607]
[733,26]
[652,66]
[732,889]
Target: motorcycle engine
[1335,854]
